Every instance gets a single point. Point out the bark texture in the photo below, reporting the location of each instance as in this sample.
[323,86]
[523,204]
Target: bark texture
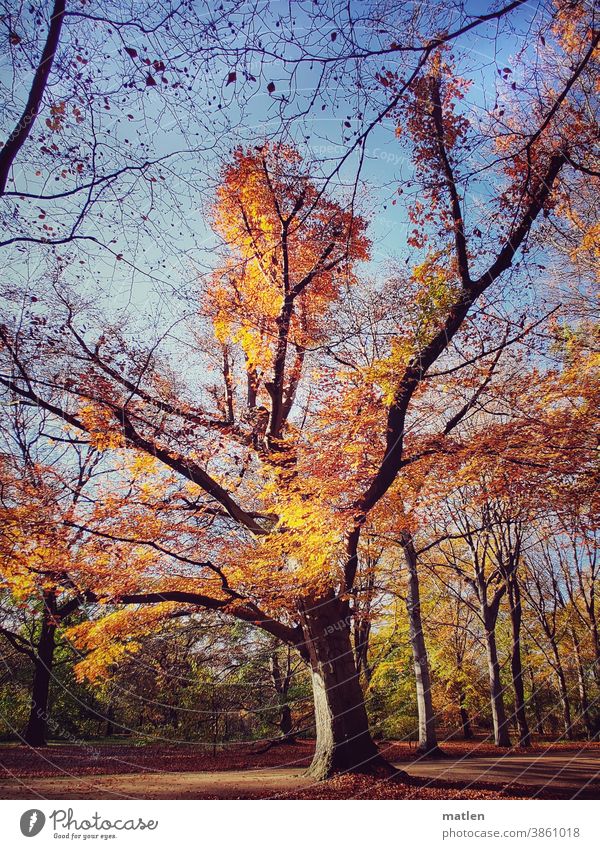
[516,664]
[36,731]
[501,735]
[281,674]
[427,744]
[344,742]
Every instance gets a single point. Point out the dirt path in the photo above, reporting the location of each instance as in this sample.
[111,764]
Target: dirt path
[567,771]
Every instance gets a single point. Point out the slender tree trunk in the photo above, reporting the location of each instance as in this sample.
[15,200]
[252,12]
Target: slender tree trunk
[501,735]
[539,719]
[362,633]
[252,386]
[281,682]
[110,717]
[516,665]
[428,744]
[35,733]
[173,717]
[285,723]
[362,626]
[595,642]
[465,722]
[564,693]
[583,694]
[344,742]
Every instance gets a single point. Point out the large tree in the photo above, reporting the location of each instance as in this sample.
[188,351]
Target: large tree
[272,448]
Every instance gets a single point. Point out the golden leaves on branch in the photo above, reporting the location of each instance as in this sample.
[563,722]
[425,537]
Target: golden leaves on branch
[104,430]
[285,239]
[108,640]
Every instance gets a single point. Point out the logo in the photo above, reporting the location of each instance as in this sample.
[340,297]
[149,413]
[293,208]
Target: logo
[32,822]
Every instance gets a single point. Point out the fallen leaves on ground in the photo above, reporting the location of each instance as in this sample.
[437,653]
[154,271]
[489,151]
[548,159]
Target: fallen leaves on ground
[91,759]
[112,760]
[367,787]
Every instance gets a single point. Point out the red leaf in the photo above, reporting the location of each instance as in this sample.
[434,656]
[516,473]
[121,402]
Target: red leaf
[231,78]
[271,88]
[150,80]
[131,51]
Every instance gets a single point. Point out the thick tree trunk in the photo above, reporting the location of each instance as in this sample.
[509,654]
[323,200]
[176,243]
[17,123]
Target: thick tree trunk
[35,733]
[501,735]
[516,665]
[428,744]
[344,742]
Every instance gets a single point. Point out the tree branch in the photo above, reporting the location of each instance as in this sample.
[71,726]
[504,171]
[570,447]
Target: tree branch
[19,135]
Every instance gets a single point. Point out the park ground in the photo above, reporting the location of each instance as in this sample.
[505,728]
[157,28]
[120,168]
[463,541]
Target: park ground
[469,771]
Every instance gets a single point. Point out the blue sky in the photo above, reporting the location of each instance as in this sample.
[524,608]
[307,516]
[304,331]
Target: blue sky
[180,243]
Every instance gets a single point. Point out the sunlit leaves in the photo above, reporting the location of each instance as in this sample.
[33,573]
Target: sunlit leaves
[108,640]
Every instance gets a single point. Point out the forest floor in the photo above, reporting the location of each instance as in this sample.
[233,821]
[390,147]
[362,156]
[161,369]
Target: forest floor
[469,771]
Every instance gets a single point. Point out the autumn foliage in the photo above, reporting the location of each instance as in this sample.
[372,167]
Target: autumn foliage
[381,470]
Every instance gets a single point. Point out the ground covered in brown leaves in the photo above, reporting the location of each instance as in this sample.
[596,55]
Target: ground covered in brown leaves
[119,770]
[366,787]
[90,758]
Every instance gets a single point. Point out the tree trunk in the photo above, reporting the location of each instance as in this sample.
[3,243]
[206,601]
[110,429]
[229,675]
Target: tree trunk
[344,742]
[110,725]
[501,735]
[595,641]
[564,694]
[362,633]
[281,683]
[173,717]
[464,718]
[428,744]
[597,666]
[516,665]
[35,733]
[285,724]
[539,719]
[583,693]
